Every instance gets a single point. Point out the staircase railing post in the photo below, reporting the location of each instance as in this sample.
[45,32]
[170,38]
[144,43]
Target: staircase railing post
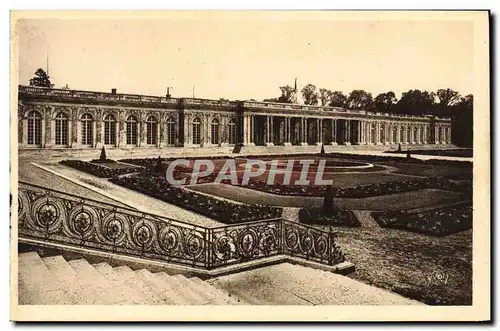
[330,246]
[208,247]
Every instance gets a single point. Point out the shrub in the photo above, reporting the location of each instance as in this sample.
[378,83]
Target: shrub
[439,222]
[336,217]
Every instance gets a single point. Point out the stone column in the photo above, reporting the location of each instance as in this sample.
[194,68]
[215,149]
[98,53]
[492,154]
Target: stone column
[303,137]
[250,127]
[334,132]
[288,135]
[347,135]
[363,132]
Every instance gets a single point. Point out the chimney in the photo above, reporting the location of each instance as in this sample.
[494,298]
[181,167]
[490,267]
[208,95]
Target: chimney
[168,92]
[113,91]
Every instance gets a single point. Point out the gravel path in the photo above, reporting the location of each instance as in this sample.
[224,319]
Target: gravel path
[34,175]
[132,198]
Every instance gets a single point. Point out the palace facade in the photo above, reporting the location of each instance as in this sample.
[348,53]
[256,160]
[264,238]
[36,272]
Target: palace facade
[71,119]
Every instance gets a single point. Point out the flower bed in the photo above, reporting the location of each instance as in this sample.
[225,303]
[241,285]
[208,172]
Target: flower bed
[103,161]
[385,158]
[97,170]
[338,217]
[218,209]
[364,191]
[439,222]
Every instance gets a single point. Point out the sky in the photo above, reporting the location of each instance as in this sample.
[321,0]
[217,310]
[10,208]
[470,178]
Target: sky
[247,59]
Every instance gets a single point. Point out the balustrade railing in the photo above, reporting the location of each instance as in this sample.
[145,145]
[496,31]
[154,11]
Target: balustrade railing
[62,218]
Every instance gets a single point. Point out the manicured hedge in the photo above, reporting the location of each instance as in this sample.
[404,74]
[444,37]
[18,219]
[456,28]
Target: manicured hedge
[98,170]
[338,217]
[218,209]
[438,222]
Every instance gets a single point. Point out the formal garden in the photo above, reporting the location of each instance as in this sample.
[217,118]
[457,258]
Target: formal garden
[421,211]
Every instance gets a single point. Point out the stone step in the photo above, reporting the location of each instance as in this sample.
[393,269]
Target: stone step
[96,283]
[147,288]
[71,282]
[338,289]
[164,289]
[132,295]
[202,291]
[37,285]
[220,297]
[191,296]
[255,287]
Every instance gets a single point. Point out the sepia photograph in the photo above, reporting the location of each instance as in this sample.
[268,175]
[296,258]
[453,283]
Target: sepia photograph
[250,165]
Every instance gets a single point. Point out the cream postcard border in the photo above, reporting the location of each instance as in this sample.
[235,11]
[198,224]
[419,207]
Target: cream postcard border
[480,310]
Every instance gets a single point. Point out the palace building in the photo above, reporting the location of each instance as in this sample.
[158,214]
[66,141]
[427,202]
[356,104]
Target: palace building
[78,120]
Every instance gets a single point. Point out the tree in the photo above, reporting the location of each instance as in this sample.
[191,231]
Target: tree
[103,156]
[384,102]
[309,94]
[360,99]
[463,122]
[448,97]
[337,99]
[324,96]
[416,102]
[287,93]
[41,79]
[328,201]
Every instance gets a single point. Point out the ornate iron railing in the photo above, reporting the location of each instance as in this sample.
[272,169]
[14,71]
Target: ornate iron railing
[62,218]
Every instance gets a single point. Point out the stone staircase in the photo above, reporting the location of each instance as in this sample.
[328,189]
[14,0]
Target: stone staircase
[292,284]
[55,281]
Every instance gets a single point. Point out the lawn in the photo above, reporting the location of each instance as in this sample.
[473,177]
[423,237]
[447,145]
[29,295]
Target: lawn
[463,152]
[400,201]
[429,269]
[425,170]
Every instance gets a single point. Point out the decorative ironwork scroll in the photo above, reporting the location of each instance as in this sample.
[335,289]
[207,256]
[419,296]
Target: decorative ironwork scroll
[244,242]
[310,243]
[66,219]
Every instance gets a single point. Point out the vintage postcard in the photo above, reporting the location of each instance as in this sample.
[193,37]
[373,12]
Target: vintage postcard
[250,166]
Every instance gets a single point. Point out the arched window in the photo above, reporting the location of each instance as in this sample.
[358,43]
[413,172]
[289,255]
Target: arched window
[401,134]
[408,134]
[438,138]
[132,130]
[214,137]
[61,129]
[87,130]
[151,130]
[171,131]
[394,134]
[232,132]
[422,135]
[35,128]
[415,135]
[196,131]
[109,130]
